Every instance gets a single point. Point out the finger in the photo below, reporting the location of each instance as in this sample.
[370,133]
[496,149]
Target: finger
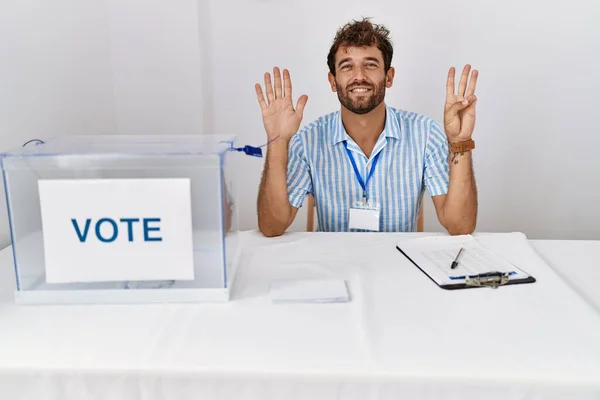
[462,86]
[269,87]
[277,75]
[458,106]
[472,83]
[470,109]
[301,104]
[450,82]
[287,84]
[260,96]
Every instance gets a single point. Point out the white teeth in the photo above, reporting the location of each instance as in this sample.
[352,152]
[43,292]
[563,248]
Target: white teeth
[359,90]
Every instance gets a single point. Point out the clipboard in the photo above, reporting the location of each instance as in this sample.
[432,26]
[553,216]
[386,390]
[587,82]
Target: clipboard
[429,253]
[489,279]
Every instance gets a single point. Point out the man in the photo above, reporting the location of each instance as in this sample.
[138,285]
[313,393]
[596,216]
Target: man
[367,164]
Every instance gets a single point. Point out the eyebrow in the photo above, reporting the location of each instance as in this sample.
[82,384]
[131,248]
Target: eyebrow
[343,60]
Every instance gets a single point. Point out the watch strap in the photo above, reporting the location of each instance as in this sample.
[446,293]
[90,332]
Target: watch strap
[461,147]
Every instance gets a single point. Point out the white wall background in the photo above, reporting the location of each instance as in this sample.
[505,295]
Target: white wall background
[188,66]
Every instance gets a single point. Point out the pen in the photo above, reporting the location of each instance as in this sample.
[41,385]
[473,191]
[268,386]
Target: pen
[455,262]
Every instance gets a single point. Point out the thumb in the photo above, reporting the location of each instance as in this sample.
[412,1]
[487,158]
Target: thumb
[461,104]
[301,104]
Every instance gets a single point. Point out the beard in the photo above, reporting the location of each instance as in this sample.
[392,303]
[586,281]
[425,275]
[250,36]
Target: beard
[365,103]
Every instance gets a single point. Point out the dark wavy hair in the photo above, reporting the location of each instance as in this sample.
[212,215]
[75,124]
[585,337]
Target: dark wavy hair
[362,33]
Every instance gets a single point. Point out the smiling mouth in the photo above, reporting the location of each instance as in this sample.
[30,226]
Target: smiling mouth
[360,90]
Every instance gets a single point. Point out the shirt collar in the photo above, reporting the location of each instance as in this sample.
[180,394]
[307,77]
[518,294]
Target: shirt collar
[391,129]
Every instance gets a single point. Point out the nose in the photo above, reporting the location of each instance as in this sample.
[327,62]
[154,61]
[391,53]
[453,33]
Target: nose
[359,74]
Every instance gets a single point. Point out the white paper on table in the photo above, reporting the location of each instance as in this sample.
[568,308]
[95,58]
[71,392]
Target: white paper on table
[309,291]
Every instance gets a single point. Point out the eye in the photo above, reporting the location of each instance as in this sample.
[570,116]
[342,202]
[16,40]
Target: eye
[371,65]
[346,66]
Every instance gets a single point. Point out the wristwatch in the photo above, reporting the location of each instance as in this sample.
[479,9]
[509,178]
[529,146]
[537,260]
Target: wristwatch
[461,147]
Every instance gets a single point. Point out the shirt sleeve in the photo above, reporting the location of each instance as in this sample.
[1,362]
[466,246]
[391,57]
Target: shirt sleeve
[299,181]
[436,175]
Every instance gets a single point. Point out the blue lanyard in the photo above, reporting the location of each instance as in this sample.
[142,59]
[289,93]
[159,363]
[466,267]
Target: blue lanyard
[363,184]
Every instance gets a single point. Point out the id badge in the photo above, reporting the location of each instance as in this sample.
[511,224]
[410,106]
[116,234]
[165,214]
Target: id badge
[364,216]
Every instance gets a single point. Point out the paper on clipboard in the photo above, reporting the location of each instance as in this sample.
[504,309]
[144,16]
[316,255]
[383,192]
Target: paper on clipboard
[434,256]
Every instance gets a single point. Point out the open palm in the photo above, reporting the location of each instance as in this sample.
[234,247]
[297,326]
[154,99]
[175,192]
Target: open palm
[279,116]
[459,108]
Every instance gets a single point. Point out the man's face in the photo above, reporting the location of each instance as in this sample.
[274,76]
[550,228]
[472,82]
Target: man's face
[360,80]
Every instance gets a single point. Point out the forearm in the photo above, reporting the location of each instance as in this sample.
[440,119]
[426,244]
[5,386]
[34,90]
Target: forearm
[274,210]
[460,205]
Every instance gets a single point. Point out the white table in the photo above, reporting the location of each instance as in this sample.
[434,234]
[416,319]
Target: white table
[577,262]
[400,336]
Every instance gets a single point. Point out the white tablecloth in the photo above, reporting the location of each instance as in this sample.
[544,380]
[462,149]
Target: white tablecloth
[577,262]
[400,337]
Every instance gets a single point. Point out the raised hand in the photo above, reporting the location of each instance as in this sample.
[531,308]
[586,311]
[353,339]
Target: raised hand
[279,116]
[459,109]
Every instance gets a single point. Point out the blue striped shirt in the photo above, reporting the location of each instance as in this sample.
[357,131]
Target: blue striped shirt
[414,157]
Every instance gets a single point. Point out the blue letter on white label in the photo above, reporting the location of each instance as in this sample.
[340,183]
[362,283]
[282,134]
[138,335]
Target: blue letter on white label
[130,222]
[154,228]
[82,236]
[115,229]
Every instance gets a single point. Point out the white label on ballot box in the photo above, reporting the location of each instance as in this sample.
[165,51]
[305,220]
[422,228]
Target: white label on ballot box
[98,230]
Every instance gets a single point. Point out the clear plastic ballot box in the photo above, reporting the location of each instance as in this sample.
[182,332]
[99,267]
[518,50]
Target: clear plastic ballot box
[122,219]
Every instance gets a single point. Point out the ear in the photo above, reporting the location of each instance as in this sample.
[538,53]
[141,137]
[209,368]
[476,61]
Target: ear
[331,80]
[389,77]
